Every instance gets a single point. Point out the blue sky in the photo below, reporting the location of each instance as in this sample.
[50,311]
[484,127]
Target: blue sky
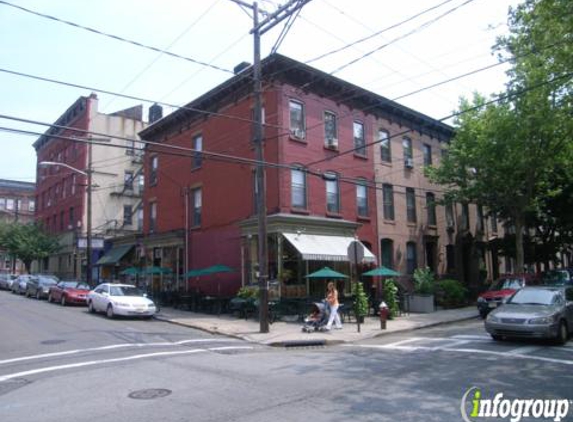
[217,32]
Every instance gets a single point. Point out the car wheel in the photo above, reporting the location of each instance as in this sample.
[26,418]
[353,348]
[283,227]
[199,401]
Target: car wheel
[50,300]
[38,295]
[483,314]
[91,308]
[496,337]
[109,312]
[63,300]
[562,333]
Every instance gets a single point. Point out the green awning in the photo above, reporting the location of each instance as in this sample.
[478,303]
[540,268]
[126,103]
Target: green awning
[114,255]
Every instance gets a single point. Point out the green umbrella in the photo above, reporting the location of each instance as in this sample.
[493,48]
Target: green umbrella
[130,271]
[382,272]
[326,272]
[156,271]
[193,273]
[219,268]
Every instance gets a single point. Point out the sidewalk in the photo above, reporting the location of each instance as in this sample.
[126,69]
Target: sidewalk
[290,333]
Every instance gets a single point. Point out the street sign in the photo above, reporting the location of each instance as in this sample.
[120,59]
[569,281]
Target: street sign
[97,243]
[355,252]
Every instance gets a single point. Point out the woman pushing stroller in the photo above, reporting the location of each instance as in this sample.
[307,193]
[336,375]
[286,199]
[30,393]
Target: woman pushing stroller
[332,300]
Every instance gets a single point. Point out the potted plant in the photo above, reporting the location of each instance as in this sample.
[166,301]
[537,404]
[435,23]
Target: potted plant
[422,300]
[391,297]
[360,303]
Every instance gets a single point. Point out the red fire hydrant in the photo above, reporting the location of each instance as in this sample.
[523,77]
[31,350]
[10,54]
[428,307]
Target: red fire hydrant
[384,312]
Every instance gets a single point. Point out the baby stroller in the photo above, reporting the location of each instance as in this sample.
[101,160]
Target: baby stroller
[317,319]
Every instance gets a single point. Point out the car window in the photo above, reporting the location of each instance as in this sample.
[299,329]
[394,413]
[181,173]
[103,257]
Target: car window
[125,291]
[99,290]
[508,283]
[534,297]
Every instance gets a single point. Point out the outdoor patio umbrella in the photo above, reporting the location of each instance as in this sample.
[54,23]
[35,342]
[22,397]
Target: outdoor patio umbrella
[130,271]
[382,272]
[326,272]
[193,273]
[219,268]
[156,271]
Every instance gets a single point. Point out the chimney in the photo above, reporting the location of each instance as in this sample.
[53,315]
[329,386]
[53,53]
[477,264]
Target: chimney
[241,67]
[155,113]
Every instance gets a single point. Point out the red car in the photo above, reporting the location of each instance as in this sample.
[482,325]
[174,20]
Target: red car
[501,289]
[69,292]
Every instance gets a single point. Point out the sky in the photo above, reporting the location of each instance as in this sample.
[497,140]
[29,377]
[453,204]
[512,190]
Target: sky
[414,49]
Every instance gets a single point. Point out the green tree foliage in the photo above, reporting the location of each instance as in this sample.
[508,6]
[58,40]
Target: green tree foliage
[360,300]
[508,154]
[391,297]
[27,242]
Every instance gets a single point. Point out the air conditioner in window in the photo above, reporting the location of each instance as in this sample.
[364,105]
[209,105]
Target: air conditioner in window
[409,163]
[297,133]
[332,142]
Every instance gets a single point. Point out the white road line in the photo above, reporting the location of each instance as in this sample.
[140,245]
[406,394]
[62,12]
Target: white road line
[471,337]
[523,350]
[103,361]
[111,347]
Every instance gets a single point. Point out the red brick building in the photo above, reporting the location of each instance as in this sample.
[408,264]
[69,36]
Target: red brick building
[320,179]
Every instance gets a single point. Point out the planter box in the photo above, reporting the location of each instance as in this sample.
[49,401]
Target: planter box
[423,304]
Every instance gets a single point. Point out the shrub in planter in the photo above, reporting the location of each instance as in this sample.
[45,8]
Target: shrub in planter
[450,293]
[391,297]
[360,301]
[423,281]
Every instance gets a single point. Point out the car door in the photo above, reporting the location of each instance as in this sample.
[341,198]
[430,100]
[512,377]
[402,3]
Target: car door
[97,299]
[569,307]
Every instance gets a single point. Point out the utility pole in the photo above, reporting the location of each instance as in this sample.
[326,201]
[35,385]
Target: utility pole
[89,171]
[259,28]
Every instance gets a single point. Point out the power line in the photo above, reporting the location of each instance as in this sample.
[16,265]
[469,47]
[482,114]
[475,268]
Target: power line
[115,37]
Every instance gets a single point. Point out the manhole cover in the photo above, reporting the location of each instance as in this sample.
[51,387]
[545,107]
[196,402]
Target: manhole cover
[149,394]
[48,342]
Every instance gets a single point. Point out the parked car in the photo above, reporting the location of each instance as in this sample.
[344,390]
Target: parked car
[69,292]
[501,289]
[40,286]
[19,285]
[534,312]
[120,299]
[6,280]
[559,277]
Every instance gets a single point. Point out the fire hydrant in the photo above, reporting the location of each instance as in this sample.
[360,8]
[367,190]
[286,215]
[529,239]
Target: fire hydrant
[384,312]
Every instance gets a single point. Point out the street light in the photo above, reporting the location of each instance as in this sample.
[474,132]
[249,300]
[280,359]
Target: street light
[88,174]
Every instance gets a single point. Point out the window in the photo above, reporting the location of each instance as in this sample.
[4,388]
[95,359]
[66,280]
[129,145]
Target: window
[493,216]
[388,201]
[408,153]
[10,204]
[130,147]
[411,205]
[479,218]
[387,253]
[127,215]
[411,257]
[72,219]
[140,184]
[32,205]
[298,188]
[62,218]
[153,168]
[450,258]
[332,193]
[74,180]
[362,198]
[197,156]
[330,130]
[385,150]
[465,217]
[359,140]
[140,218]
[450,221]
[197,205]
[427,154]
[152,216]
[128,180]
[297,120]
[431,208]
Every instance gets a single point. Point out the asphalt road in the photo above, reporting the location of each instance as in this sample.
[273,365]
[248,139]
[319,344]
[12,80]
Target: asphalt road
[63,364]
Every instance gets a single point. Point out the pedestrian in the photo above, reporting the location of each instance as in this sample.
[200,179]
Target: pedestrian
[332,300]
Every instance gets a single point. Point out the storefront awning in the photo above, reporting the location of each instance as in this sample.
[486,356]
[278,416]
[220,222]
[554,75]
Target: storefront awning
[114,255]
[315,247]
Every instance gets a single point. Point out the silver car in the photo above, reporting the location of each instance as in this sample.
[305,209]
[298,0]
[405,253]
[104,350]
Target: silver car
[534,312]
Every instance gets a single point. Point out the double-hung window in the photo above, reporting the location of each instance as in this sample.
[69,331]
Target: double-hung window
[411,205]
[431,208]
[330,130]
[128,180]
[153,169]
[359,138]
[385,148]
[152,216]
[298,188]
[332,193]
[362,198]
[197,156]
[297,120]
[408,153]
[427,149]
[197,205]
[388,201]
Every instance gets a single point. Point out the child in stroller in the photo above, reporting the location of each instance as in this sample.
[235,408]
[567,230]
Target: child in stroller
[317,318]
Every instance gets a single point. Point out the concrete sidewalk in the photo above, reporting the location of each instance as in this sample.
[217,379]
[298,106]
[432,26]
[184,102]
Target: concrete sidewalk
[290,333]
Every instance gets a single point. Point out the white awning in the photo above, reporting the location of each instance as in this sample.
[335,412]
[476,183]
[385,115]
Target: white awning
[315,247]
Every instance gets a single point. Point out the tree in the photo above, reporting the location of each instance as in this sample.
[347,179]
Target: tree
[27,242]
[507,152]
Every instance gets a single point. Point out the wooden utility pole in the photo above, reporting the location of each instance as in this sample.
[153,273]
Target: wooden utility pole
[259,28]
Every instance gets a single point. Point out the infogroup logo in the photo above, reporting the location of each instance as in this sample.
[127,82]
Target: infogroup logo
[515,409]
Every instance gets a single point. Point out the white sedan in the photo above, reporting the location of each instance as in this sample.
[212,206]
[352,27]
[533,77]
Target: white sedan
[120,299]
